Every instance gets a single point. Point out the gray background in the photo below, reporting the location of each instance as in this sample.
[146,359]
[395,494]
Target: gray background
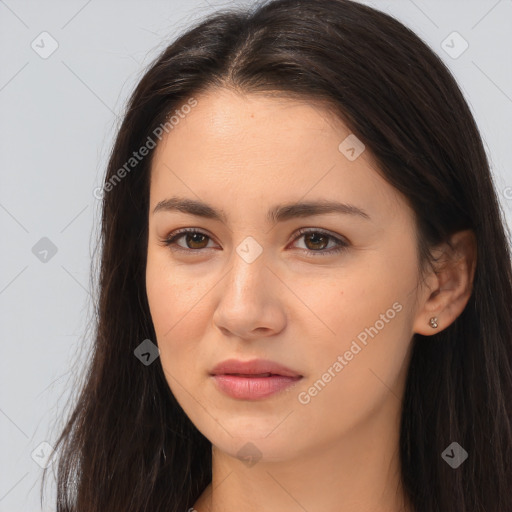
[58,118]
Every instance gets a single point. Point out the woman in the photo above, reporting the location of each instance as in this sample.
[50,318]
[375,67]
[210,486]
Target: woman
[298,212]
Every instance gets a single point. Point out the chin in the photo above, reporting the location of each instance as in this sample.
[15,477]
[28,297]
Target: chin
[252,439]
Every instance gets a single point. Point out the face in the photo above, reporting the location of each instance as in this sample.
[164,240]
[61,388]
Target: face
[329,294]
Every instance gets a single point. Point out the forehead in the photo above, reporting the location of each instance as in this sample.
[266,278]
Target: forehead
[226,118]
[257,148]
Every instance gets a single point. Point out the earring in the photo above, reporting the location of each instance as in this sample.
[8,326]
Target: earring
[433,322]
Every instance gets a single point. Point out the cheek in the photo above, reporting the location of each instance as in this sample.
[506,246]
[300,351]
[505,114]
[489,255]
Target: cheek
[370,320]
[354,375]
[171,303]
[174,295]
[367,301]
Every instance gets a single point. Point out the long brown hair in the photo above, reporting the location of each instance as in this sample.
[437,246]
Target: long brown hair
[128,445]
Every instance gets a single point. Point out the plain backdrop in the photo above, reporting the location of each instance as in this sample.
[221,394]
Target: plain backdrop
[66,70]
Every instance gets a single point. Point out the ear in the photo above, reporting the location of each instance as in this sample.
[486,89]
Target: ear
[449,284]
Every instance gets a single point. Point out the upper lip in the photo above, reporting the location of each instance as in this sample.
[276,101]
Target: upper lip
[253,367]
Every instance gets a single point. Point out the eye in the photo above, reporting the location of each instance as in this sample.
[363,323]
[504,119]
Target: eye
[316,239]
[193,239]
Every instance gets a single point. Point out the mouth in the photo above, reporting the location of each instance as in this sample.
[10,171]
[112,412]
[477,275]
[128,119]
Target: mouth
[253,380]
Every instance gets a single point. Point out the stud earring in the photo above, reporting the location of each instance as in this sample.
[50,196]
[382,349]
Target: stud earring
[433,322]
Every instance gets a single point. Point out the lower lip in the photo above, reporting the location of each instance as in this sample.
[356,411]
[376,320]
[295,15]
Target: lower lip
[253,388]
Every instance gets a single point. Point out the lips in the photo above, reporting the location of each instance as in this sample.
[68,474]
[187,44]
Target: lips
[253,380]
[255,368]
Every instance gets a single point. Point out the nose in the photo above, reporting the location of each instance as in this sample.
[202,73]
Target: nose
[250,303]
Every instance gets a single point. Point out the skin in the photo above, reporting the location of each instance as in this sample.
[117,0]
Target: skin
[243,154]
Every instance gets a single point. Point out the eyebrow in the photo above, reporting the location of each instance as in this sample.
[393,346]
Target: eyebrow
[277,213]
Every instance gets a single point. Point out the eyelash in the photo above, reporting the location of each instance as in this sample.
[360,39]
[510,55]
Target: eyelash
[341,245]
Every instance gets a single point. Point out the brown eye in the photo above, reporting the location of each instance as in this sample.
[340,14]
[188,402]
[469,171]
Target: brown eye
[316,241]
[194,240]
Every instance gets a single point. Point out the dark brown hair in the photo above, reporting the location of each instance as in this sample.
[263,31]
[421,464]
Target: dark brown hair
[128,445]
